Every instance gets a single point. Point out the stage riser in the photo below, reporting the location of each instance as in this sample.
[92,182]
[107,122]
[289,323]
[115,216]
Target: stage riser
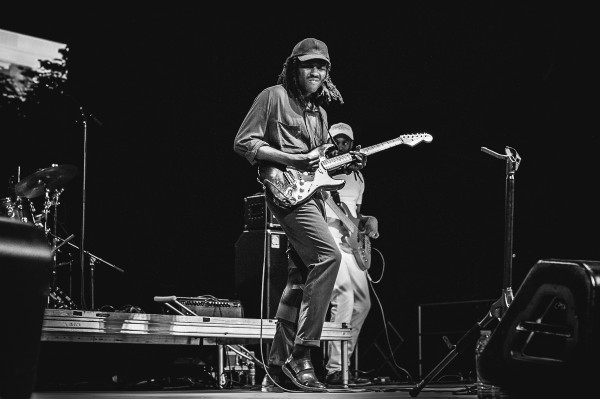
[90,326]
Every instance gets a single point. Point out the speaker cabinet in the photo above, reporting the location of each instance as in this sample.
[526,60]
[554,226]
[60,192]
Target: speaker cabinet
[547,342]
[255,213]
[252,250]
[26,268]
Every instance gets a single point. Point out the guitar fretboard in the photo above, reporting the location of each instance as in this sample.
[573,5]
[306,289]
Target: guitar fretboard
[337,161]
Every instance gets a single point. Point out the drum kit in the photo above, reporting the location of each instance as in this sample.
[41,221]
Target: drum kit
[49,183]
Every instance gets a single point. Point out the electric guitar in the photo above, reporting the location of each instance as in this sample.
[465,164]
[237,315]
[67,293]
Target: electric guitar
[357,240]
[290,187]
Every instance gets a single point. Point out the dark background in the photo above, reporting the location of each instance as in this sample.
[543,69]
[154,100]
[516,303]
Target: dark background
[170,88]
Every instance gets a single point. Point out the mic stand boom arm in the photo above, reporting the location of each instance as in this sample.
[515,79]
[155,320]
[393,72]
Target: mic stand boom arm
[93,259]
[498,308]
[88,253]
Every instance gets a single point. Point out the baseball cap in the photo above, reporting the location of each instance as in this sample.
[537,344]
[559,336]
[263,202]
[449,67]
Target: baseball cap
[341,128]
[311,48]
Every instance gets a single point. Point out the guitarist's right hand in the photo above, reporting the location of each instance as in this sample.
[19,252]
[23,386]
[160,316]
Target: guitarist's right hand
[304,162]
[307,162]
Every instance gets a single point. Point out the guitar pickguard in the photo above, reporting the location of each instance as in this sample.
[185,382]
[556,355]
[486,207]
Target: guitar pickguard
[292,187]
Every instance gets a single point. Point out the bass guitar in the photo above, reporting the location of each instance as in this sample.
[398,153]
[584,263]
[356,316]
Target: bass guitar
[290,187]
[356,239]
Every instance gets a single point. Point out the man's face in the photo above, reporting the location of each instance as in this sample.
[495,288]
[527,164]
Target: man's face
[343,143]
[311,74]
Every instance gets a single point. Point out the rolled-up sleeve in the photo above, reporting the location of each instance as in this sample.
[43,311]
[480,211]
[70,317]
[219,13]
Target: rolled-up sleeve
[251,134]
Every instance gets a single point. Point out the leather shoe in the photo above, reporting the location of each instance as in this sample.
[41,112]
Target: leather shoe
[277,382]
[302,374]
[359,382]
[268,383]
[335,379]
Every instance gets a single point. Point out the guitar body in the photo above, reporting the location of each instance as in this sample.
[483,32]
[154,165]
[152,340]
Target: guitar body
[358,242]
[354,241]
[290,187]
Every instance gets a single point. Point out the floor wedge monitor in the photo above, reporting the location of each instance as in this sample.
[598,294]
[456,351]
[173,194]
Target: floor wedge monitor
[549,335]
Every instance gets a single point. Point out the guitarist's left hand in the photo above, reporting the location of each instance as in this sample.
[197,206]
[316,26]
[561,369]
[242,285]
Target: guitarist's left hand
[360,159]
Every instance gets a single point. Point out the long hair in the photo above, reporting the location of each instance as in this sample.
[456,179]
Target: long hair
[289,79]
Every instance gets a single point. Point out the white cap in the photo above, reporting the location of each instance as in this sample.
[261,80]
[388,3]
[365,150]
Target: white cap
[341,128]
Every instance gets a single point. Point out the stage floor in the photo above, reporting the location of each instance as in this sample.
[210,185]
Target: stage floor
[435,391]
[432,391]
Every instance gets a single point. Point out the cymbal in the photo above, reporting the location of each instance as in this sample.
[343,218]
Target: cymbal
[50,178]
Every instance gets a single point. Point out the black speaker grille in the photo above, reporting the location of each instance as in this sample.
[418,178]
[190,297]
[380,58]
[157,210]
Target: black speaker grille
[249,258]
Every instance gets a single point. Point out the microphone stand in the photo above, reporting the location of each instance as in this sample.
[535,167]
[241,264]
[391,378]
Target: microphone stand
[84,120]
[85,115]
[93,259]
[498,308]
[83,199]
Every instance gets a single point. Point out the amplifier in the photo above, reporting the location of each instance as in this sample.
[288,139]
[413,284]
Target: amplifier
[214,307]
[255,211]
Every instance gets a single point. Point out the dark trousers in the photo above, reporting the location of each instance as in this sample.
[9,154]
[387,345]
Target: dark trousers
[313,263]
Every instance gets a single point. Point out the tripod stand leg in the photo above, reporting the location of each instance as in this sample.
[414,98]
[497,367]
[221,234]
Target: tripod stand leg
[469,338]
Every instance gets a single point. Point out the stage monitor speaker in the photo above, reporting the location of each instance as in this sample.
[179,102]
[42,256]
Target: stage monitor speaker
[547,342]
[26,269]
[249,255]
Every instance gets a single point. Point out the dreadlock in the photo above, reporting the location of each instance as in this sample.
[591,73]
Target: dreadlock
[289,79]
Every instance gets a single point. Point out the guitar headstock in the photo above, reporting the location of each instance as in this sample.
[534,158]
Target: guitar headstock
[415,138]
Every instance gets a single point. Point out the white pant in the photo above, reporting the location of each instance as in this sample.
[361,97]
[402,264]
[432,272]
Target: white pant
[350,303]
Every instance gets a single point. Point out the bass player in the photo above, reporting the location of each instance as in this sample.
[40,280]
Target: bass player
[350,300]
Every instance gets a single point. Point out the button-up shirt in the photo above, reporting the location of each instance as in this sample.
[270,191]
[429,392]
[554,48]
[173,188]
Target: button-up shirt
[280,121]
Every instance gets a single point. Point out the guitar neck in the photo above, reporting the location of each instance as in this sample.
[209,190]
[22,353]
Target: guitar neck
[341,215]
[340,160]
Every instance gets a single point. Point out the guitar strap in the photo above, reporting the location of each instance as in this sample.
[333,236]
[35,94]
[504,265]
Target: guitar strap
[330,136]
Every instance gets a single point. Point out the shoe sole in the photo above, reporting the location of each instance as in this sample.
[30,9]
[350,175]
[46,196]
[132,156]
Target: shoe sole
[360,384]
[271,389]
[350,384]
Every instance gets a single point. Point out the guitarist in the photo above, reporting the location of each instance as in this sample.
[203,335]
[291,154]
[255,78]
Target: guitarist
[285,126]
[350,301]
